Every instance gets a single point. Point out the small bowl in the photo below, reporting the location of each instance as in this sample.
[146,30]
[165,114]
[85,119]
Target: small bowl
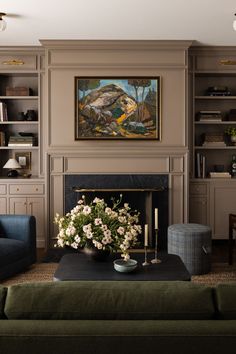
[125,266]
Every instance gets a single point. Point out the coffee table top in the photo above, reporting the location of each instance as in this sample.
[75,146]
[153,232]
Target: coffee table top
[79,266]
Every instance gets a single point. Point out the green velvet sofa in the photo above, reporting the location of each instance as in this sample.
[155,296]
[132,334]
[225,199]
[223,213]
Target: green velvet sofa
[101,317]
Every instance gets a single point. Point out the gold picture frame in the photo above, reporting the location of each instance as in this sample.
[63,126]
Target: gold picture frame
[24,159]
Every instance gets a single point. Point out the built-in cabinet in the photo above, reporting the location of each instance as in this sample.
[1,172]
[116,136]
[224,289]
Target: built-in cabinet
[212,88]
[21,92]
[25,197]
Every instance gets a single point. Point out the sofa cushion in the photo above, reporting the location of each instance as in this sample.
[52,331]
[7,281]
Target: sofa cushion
[12,250]
[110,300]
[226,301]
[3,294]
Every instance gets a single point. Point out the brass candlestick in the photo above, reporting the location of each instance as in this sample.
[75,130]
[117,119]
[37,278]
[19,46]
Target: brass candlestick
[155,260]
[145,263]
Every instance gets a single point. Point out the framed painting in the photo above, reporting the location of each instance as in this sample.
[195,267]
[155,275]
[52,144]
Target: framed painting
[125,108]
[24,159]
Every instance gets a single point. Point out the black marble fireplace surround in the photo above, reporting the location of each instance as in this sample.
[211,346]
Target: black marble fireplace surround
[154,185]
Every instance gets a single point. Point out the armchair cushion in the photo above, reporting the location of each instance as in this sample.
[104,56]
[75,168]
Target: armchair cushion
[11,250]
[17,243]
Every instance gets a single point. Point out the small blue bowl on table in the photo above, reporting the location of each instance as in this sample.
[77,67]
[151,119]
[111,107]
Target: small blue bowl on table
[122,266]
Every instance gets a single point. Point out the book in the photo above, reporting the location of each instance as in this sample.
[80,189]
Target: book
[220,175]
[2,139]
[214,144]
[3,112]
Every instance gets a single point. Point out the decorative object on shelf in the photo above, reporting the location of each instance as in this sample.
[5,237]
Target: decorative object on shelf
[24,159]
[232,115]
[122,266]
[3,24]
[18,91]
[233,166]
[145,263]
[231,131]
[213,139]
[209,116]
[156,260]
[97,225]
[117,108]
[21,141]
[12,165]
[30,115]
[21,116]
[218,91]
[219,168]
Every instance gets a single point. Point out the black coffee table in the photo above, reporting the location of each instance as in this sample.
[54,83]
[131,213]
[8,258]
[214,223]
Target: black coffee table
[78,266]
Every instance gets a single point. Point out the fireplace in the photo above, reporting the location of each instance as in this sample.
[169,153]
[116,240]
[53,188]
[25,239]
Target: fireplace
[144,192]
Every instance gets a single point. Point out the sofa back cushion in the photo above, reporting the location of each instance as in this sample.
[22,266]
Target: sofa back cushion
[226,301]
[3,294]
[109,300]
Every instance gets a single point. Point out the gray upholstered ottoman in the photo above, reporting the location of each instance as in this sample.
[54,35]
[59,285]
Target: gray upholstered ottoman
[192,242]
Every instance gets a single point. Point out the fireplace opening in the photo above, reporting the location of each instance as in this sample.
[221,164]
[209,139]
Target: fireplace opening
[144,193]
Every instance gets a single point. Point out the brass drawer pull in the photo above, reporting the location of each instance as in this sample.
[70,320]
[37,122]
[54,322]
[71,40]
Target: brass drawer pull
[13,62]
[17,189]
[227,62]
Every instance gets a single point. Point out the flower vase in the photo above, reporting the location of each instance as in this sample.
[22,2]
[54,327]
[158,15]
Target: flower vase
[96,254]
[233,139]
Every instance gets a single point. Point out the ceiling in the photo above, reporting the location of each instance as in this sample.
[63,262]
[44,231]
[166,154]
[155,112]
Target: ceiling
[207,22]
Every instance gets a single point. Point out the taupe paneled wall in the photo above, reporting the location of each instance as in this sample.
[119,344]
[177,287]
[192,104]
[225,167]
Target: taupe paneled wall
[167,59]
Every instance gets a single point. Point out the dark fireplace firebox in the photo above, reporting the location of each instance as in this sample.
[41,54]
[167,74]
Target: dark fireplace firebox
[143,192]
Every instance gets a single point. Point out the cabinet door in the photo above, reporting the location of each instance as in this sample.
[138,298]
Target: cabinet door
[3,206]
[18,206]
[223,197]
[198,210]
[35,206]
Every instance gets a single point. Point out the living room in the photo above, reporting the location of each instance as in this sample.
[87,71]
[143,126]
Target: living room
[159,79]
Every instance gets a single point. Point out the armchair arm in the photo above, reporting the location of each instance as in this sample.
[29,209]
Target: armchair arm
[20,227]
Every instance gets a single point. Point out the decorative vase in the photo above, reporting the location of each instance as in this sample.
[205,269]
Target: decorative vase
[233,139]
[96,254]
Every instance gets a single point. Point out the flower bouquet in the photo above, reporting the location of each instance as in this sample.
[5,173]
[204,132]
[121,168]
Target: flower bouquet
[97,225]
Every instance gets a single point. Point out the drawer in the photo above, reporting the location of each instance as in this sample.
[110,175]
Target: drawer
[18,62]
[198,188]
[3,189]
[26,189]
[217,62]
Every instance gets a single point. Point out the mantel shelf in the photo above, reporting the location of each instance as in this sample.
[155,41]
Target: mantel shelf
[84,190]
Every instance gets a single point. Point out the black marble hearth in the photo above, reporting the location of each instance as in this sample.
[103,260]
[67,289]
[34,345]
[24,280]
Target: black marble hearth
[149,188]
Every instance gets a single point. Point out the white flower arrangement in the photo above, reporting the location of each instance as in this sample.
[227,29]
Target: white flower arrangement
[97,225]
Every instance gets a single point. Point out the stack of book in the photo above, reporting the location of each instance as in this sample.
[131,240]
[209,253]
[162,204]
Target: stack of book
[214,140]
[3,112]
[209,116]
[21,141]
[220,175]
[201,166]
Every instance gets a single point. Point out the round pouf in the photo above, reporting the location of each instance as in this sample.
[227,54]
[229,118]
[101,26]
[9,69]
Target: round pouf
[192,242]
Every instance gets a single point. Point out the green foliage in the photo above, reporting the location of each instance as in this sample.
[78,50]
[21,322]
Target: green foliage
[230,131]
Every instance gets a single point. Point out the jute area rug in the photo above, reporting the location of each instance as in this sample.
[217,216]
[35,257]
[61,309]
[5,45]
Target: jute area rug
[220,273]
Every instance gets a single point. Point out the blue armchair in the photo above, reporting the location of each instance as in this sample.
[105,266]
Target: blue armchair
[17,243]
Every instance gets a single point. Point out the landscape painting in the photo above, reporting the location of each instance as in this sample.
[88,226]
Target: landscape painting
[117,108]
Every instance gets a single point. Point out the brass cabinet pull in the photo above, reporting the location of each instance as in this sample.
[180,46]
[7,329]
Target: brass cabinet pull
[17,189]
[36,189]
[227,62]
[13,62]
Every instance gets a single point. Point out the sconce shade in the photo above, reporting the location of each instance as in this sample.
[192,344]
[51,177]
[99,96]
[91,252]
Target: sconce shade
[3,23]
[12,163]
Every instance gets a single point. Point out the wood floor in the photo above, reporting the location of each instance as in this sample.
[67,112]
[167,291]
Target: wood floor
[220,252]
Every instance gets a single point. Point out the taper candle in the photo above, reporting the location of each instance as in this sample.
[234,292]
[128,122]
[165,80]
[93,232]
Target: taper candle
[156,219]
[146,235]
